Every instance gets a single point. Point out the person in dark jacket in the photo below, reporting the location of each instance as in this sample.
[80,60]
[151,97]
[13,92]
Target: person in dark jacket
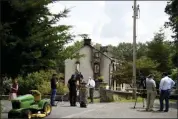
[72,85]
[53,89]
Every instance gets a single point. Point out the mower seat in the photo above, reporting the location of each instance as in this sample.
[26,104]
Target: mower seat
[37,95]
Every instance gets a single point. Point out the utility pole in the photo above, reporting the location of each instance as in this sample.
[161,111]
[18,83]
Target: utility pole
[135,16]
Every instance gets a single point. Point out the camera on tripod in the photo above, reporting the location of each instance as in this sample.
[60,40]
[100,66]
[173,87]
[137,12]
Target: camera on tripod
[141,89]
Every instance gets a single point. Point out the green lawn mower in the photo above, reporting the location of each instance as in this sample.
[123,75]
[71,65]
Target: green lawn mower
[30,106]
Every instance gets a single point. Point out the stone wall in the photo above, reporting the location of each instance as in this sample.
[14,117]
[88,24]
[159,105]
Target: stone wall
[111,95]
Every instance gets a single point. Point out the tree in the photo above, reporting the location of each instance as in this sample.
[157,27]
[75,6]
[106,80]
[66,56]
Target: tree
[123,73]
[123,52]
[172,10]
[146,66]
[159,51]
[30,39]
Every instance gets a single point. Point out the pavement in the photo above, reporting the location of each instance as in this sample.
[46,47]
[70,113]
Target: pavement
[104,110]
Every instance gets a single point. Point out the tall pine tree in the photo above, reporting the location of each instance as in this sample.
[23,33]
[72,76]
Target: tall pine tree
[30,38]
[172,10]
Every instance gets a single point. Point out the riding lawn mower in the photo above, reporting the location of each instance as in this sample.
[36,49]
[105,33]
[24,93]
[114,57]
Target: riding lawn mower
[29,106]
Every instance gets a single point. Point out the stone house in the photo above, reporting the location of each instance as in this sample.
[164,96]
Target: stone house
[93,64]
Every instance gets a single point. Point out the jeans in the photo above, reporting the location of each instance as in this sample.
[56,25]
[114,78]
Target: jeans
[164,96]
[53,95]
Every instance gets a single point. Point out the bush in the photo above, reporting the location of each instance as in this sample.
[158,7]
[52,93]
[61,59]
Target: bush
[62,88]
[157,75]
[36,81]
[101,78]
[44,88]
[174,74]
[6,86]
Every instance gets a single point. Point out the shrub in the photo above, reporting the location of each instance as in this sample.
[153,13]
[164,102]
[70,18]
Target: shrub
[101,78]
[62,88]
[36,81]
[174,74]
[6,86]
[44,88]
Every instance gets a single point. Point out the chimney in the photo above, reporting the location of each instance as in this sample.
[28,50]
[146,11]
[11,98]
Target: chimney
[87,42]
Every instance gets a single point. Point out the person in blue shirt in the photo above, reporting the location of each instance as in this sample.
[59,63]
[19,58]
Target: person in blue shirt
[165,86]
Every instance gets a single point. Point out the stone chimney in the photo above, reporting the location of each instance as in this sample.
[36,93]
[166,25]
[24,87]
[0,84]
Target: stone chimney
[87,41]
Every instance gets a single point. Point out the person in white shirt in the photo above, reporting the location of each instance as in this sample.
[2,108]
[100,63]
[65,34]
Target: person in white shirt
[91,85]
[151,92]
[165,87]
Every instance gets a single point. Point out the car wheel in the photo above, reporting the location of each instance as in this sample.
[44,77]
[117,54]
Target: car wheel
[27,114]
[47,109]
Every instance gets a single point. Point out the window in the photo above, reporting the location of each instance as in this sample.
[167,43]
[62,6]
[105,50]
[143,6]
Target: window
[96,68]
[96,54]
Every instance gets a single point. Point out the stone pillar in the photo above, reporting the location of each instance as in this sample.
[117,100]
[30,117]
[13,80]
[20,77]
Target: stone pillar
[103,96]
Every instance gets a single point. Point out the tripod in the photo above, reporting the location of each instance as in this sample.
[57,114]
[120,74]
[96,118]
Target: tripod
[143,95]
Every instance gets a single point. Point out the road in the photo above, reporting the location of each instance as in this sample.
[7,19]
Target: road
[105,110]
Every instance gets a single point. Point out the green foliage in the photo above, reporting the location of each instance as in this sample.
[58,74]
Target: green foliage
[45,87]
[174,74]
[72,51]
[157,75]
[61,88]
[146,65]
[31,40]
[123,52]
[172,10]
[100,78]
[124,73]
[159,51]
[36,81]
[6,86]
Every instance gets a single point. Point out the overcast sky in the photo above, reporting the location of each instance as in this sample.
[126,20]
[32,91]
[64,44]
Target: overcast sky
[111,22]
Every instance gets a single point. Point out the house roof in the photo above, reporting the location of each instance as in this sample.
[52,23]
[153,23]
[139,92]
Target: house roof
[96,50]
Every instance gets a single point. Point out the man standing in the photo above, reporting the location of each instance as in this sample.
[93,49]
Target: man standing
[72,85]
[151,92]
[91,85]
[165,87]
[53,89]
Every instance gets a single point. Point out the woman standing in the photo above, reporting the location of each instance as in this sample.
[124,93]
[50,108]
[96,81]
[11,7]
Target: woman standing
[14,89]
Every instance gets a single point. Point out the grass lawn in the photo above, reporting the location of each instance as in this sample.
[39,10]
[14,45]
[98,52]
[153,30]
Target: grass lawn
[172,100]
[139,99]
